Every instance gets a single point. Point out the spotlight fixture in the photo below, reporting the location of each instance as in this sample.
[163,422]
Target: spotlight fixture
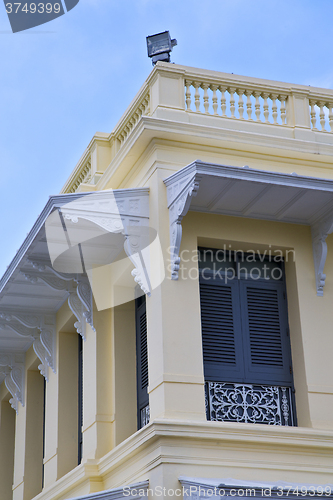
[159,46]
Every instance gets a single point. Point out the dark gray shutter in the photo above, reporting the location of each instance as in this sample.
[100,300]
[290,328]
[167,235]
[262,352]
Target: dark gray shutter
[142,356]
[221,330]
[265,331]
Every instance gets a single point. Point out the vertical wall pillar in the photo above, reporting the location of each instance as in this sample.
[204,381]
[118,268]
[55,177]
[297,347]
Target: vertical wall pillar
[61,417]
[51,429]
[124,375]
[33,466]
[68,403]
[7,443]
[298,115]
[28,457]
[19,453]
[98,410]
[176,382]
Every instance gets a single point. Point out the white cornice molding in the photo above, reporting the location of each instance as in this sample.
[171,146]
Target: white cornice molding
[183,185]
[12,366]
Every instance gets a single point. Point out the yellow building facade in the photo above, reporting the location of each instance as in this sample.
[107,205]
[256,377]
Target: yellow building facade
[178,383]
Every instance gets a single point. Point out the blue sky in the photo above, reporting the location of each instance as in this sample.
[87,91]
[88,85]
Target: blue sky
[63,81]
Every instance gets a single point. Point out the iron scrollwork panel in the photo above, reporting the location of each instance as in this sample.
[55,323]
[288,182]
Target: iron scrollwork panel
[249,403]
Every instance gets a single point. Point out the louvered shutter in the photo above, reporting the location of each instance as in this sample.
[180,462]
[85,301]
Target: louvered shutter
[142,355]
[265,333]
[221,330]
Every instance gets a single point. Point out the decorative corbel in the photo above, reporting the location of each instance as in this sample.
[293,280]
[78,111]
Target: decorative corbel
[41,328]
[79,298]
[13,369]
[42,266]
[53,282]
[179,199]
[319,233]
[133,248]
[80,303]
[84,293]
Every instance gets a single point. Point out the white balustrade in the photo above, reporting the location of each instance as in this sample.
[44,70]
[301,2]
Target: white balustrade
[236,103]
[129,124]
[321,115]
[83,175]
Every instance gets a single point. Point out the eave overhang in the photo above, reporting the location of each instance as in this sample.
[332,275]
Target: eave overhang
[32,289]
[256,194]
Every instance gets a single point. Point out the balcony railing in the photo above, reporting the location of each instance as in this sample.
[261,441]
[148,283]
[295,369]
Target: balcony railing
[249,403]
[175,96]
[83,174]
[221,99]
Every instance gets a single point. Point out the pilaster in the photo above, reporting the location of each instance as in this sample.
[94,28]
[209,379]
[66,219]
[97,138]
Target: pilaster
[7,439]
[176,383]
[98,410]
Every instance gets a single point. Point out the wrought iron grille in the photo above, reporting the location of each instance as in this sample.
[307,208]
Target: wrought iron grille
[249,403]
[144,416]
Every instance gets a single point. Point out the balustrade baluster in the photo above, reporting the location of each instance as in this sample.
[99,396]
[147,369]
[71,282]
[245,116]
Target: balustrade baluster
[215,105]
[240,93]
[132,123]
[223,100]
[283,109]
[188,95]
[274,107]
[322,116]
[330,115]
[197,97]
[313,115]
[248,94]
[266,108]
[205,86]
[232,101]
[257,105]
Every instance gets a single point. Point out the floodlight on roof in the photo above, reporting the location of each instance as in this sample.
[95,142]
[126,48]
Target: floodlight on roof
[159,46]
